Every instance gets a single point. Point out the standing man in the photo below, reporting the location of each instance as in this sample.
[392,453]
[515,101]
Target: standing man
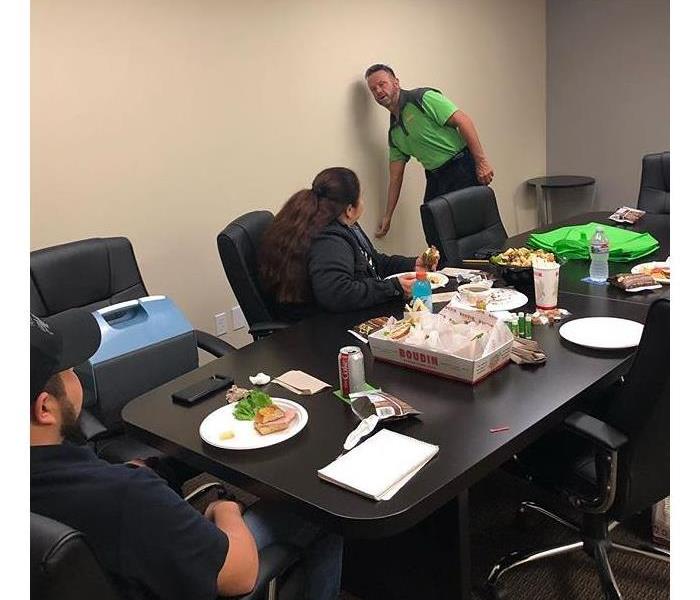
[427,125]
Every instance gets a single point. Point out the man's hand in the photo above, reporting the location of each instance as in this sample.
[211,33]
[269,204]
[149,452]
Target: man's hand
[225,505]
[407,284]
[383,227]
[484,171]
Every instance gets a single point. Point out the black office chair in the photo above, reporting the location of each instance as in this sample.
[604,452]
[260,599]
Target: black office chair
[62,564]
[238,247]
[655,188]
[462,222]
[92,274]
[611,467]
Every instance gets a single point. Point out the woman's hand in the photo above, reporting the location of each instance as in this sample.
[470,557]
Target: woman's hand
[407,284]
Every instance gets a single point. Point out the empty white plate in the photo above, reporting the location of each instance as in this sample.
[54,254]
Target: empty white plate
[607,333]
[245,435]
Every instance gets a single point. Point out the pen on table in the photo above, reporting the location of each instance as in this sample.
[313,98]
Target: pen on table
[498,429]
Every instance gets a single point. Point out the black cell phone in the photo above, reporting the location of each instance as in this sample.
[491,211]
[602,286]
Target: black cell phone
[196,392]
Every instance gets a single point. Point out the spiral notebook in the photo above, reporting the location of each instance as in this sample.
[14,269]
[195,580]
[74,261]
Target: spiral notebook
[380,466]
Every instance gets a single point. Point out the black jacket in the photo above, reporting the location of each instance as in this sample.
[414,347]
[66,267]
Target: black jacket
[341,277]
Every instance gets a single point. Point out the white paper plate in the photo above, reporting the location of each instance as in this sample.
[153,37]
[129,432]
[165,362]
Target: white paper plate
[653,265]
[506,300]
[441,278]
[606,333]
[246,437]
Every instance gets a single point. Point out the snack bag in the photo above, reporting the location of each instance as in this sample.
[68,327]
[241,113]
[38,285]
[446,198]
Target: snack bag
[379,403]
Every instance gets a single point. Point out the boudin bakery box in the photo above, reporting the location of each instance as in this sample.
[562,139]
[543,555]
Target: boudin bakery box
[441,363]
[145,343]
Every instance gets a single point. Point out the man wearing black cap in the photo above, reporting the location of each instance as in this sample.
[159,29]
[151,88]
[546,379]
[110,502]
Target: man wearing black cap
[152,542]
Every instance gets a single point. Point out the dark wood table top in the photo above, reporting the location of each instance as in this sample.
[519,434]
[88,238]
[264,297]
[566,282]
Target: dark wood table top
[561,181]
[574,271]
[456,416]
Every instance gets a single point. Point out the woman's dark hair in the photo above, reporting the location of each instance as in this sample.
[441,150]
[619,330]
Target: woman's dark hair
[285,245]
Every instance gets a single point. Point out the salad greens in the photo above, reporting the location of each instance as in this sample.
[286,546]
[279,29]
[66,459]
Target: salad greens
[246,408]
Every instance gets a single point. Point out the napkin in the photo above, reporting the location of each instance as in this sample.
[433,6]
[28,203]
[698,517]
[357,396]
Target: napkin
[455,271]
[526,352]
[300,383]
[443,297]
[380,466]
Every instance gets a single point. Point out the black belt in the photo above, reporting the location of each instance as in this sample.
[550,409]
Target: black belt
[461,154]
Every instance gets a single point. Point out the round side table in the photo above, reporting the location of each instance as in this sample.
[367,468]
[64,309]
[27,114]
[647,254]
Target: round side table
[544,208]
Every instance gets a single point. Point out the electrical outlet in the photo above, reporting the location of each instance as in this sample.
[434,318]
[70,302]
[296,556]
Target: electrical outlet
[220,324]
[237,318]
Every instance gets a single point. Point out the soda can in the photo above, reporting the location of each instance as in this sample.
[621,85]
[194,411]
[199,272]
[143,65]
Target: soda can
[351,370]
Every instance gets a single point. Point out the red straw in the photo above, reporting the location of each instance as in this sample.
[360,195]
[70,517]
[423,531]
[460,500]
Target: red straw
[499,429]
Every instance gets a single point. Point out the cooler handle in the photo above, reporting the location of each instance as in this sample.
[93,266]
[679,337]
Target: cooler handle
[119,314]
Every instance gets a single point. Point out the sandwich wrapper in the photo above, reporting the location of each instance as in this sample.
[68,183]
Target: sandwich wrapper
[526,352]
[300,383]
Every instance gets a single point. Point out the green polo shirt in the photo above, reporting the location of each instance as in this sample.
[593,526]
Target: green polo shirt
[421,129]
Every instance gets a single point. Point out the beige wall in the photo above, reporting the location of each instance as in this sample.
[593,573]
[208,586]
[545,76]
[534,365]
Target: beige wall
[162,120]
[607,91]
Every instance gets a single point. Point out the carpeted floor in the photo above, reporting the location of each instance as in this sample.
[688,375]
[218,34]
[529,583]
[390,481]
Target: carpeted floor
[495,532]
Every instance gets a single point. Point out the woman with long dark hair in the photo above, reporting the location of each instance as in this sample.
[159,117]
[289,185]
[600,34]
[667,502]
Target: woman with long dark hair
[315,255]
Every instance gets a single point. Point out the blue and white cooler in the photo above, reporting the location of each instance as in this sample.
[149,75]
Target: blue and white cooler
[145,343]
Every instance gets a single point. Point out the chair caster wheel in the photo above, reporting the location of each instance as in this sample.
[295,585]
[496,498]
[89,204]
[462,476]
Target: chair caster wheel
[494,592]
[523,519]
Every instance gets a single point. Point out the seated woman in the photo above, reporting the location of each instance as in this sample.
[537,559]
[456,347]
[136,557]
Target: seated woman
[315,255]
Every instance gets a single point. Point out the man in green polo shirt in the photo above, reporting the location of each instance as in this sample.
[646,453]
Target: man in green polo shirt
[427,125]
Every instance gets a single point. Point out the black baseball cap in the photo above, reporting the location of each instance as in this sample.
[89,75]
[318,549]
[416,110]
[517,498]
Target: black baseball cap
[59,343]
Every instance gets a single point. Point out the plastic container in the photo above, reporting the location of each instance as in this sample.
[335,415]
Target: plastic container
[421,289]
[599,251]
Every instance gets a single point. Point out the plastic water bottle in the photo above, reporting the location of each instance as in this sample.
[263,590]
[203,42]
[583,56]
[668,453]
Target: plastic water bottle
[599,250]
[421,289]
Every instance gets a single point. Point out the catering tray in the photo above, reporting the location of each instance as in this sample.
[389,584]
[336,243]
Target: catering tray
[441,363]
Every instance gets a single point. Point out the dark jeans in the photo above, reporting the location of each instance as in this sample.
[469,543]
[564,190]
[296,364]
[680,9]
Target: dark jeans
[457,173]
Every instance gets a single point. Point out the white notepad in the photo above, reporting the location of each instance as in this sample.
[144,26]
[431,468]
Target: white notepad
[380,466]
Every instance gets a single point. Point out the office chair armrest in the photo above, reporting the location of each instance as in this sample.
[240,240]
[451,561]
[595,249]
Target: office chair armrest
[90,426]
[275,559]
[212,344]
[596,431]
[266,328]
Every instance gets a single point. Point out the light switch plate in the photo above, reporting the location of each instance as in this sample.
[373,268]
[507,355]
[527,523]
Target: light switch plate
[220,324]
[237,318]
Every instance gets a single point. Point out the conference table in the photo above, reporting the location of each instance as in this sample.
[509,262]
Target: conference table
[427,521]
